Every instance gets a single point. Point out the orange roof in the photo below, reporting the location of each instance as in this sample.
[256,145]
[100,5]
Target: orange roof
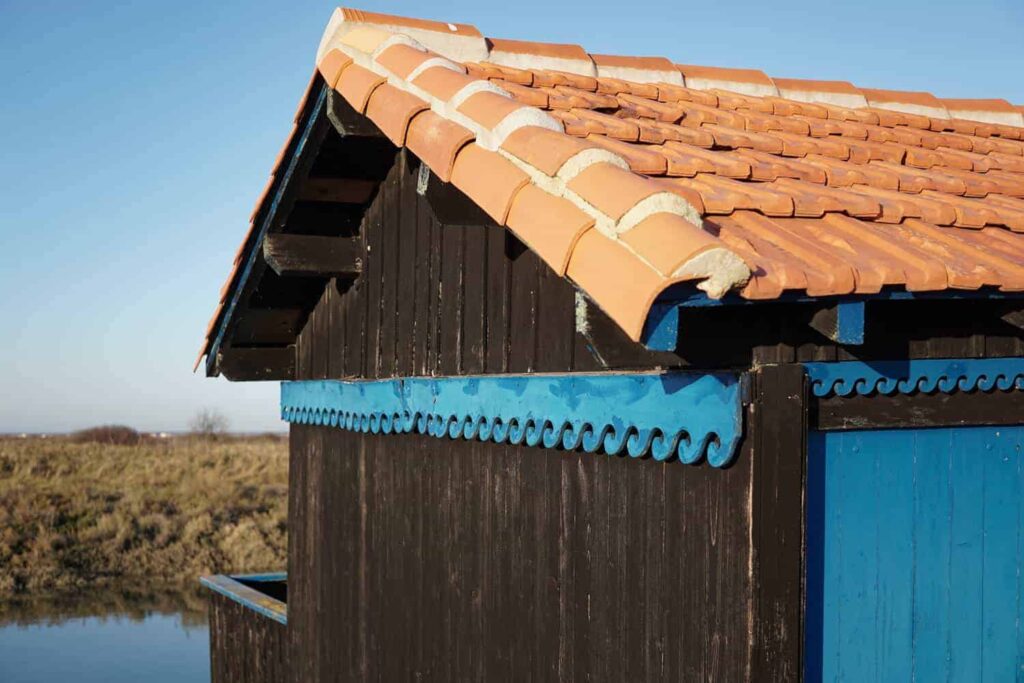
[630,174]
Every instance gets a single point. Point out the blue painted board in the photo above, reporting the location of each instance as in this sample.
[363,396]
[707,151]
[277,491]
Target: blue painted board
[932,505]
[1000,540]
[687,415]
[894,472]
[850,323]
[247,596]
[914,555]
[966,552]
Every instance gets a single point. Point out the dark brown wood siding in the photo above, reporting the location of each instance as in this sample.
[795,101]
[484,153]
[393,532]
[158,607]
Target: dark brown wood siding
[245,645]
[415,558]
[463,296]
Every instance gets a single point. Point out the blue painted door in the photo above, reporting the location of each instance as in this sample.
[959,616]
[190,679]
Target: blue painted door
[914,550]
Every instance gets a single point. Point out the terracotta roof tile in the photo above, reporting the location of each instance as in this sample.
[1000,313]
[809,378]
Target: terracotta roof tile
[488,109]
[356,84]
[443,83]
[533,97]
[622,284]
[610,189]
[488,179]
[986,111]
[461,42]
[542,148]
[816,186]
[436,141]
[525,54]
[643,159]
[748,81]
[392,110]
[331,66]
[390,20]
[915,103]
[493,71]
[637,69]
[823,92]
[688,160]
[402,60]
[667,241]
[550,225]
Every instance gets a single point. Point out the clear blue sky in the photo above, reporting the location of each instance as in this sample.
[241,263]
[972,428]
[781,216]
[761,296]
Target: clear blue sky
[134,138]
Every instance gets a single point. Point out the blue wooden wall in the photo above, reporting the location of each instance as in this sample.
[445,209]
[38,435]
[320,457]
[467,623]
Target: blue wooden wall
[914,550]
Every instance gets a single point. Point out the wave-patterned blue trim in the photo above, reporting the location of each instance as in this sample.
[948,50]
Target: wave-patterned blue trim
[687,415]
[909,376]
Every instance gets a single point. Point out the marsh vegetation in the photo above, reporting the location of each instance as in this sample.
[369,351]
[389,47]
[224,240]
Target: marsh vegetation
[80,511]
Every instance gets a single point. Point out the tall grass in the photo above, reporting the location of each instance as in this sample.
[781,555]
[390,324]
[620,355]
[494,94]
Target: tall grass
[74,514]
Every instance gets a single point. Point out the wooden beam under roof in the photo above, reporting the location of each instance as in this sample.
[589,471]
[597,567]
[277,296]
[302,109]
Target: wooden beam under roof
[337,190]
[257,364]
[267,326]
[842,322]
[313,256]
[346,120]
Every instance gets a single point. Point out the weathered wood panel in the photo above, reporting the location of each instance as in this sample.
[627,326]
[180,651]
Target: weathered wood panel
[777,427]
[443,299]
[414,558]
[245,645]
[902,411]
[914,554]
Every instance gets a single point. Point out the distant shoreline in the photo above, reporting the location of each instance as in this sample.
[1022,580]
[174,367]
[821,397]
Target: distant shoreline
[162,511]
[153,434]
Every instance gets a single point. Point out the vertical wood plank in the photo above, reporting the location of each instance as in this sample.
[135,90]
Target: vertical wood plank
[966,541]
[497,300]
[779,428]
[320,323]
[459,560]
[474,317]
[406,338]
[452,304]
[424,296]
[373,275]
[933,514]
[434,321]
[1001,453]
[555,321]
[522,331]
[893,516]
[245,645]
[391,222]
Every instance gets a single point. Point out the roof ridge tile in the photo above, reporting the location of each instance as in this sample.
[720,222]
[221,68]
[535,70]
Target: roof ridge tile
[524,54]
[744,81]
[637,69]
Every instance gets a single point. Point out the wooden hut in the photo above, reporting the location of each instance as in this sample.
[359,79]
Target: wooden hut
[610,368]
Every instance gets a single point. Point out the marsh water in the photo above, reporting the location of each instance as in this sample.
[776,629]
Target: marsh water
[112,635]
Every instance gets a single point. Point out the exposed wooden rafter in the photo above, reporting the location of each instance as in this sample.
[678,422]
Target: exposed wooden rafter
[337,190]
[257,364]
[313,256]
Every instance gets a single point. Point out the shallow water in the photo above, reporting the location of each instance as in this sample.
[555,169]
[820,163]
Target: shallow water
[76,639]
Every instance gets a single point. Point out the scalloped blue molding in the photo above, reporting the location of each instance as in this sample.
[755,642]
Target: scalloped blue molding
[909,376]
[688,415]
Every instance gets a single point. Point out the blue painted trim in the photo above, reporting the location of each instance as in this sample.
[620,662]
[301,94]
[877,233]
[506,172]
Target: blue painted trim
[909,376]
[268,215]
[272,577]
[661,329]
[698,299]
[231,587]
[688,415]
[850,323]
